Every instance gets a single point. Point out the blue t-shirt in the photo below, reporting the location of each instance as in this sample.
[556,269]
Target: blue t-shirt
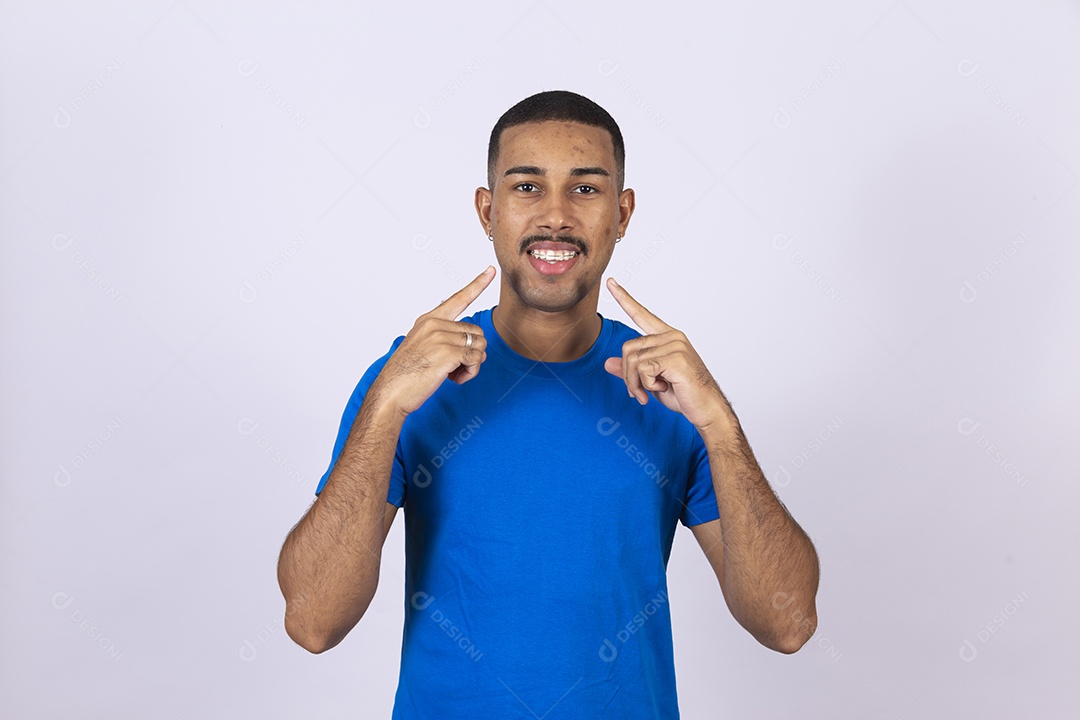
[540,506]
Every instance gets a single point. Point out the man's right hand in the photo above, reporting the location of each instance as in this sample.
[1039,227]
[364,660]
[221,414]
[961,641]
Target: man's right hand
[435,350]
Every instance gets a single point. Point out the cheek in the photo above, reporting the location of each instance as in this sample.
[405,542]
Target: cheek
[604,233]
[505,215]
[607,222]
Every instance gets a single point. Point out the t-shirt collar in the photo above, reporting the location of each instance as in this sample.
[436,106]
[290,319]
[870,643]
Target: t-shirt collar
[592,360]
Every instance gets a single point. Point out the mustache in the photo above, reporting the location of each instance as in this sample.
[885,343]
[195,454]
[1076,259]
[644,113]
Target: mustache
[574,240]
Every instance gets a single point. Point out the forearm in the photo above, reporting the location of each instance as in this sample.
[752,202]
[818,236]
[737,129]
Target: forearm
[770,565]
[328,569]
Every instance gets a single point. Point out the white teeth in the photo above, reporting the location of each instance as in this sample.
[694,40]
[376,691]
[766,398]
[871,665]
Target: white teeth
[553,256]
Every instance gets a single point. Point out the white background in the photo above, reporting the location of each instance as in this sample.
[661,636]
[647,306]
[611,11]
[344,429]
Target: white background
[214,218]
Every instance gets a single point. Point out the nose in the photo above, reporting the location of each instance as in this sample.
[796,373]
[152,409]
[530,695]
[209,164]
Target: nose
[555,215]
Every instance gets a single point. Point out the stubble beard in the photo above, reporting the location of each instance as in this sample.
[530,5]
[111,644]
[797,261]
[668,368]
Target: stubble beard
[545,295]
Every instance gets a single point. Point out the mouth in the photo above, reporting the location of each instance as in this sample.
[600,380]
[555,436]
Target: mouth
[552,258]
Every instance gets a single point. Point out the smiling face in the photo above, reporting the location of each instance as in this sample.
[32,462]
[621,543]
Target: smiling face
[555,211]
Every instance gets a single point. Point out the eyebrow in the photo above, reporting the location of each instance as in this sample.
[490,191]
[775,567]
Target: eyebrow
[575,172]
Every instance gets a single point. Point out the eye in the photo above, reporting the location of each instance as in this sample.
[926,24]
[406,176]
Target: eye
[520,186]
[590,188]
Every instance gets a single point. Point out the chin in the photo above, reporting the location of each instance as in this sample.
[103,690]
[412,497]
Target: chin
[548,297]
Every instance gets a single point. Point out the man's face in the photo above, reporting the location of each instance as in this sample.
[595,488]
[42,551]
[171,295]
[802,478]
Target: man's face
[554,211]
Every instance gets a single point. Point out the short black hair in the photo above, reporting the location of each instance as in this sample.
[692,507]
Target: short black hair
[558,105]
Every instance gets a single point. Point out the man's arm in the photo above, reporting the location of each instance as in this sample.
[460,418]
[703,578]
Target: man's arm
[766,565]
[328,569]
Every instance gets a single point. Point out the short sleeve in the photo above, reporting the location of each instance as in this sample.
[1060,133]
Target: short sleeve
[396,494]
[699,505]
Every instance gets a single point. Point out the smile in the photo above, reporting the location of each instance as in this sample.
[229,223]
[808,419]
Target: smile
[552,262]
[553,256]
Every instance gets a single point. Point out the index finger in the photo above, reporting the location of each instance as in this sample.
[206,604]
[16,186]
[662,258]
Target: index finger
[637,312]
[454,305]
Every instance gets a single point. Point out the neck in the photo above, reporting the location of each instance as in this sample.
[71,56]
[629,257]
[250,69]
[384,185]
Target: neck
[548,336]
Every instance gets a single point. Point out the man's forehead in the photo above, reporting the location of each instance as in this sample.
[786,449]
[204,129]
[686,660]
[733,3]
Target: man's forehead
[531,142]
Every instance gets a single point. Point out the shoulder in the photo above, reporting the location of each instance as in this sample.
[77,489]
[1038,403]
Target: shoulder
[480,317]
[620,331]
[375,368]
[393,346]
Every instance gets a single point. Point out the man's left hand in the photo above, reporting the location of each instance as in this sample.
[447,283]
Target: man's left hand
[664,363]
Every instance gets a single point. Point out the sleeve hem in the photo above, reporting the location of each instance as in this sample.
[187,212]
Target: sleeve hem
[690,518]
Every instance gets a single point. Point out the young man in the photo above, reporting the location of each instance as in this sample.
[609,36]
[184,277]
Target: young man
[543,455]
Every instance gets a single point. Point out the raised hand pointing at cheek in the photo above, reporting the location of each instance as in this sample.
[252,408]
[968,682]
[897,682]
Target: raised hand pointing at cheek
[663,362]
[436,348]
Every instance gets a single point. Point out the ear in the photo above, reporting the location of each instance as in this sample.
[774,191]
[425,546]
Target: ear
[626,209]
[483,208]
